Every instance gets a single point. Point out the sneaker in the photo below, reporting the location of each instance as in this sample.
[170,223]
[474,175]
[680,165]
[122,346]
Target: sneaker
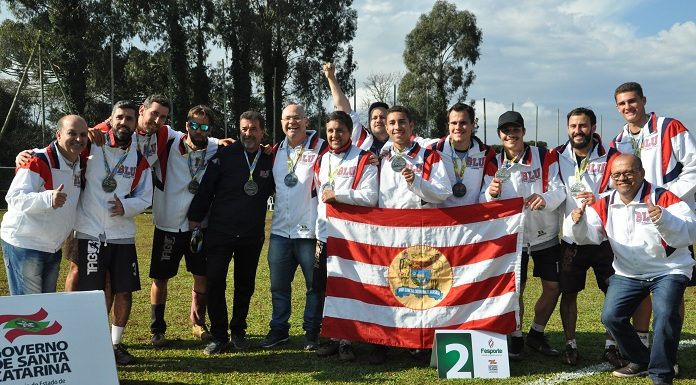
[570,355]
[328,348]
[345,352]
[158,340]
[215,347]
[676,370]
[515,348]
[201,332]
[540,343]
[611,355]
[631,370]
[311,341]
[122,356]
[274,338]
[240,342]
[378,355]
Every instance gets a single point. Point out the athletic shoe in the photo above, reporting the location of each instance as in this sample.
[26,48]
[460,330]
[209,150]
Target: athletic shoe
[240,342]
[515,348]
[631,370]
[274,338]
[158,340]
[201,332]
[611,355]
[311,341]
[378,355]
[570,355]
[676,370]
[328,348]
[122,356]
[540,343]
[215,347]
[345,352]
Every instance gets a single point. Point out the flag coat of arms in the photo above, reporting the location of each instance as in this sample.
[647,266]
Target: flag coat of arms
[397,275]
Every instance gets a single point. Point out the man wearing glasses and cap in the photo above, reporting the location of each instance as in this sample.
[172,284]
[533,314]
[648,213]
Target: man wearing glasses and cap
[531,173]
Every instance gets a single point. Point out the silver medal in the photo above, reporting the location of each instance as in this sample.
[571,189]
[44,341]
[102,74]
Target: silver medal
[503,174]
[193,187]
[290,179]
[398,163]
[109,184]
[327,187]
[576,188]
[251,188]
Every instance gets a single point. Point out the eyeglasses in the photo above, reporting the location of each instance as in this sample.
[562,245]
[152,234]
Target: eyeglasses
[625,174]
[295,118]
[198,126]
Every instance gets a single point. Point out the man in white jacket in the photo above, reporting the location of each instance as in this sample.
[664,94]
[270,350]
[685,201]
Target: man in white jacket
[43,195]
[118,186]
[649,229]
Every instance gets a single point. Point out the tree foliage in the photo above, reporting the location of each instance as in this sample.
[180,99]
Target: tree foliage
[439,55]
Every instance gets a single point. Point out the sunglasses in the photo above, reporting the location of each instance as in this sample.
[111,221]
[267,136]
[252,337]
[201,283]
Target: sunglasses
[198,126]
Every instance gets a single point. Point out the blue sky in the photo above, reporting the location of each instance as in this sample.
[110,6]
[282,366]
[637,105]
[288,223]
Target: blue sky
[552,55]
[555,55]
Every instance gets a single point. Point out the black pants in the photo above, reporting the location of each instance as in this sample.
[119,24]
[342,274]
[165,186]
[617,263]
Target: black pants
[220,249]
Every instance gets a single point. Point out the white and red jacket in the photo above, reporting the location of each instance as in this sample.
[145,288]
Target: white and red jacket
[356,181]
[134,189]
[642,249]
[668,153]
[152,146]
[31,222]
[295,208]
[478,156]
[172,196]
[596,177]
[535,173]
[363,138]
[429,188]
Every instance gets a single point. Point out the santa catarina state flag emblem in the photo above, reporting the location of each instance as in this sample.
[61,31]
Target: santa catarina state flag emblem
[17,325]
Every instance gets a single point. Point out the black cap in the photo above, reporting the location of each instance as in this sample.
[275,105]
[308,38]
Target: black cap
[376,105]
[510,117]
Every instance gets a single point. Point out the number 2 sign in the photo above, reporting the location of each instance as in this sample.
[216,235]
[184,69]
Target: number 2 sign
[470,354]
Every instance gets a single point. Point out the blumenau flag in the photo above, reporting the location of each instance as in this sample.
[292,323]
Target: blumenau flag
[397,275]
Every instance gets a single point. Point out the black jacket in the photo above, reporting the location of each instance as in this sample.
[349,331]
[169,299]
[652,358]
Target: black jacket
[232,211]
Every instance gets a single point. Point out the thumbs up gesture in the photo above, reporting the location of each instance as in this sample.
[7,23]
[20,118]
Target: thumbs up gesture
[577,214]
[655,212]
[58,197]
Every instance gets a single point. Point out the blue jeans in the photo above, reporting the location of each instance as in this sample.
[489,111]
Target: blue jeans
[623,297]
[30,271]
[284,254]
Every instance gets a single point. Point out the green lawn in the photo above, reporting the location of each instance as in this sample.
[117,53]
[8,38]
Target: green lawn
[183,361]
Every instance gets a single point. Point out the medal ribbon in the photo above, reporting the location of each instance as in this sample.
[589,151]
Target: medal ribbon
[192,171]
[637,144]
[109,171]
[401,153]
[332,173]
[252,166]
[458,169]
[507,163]
[146,149]
[292,165]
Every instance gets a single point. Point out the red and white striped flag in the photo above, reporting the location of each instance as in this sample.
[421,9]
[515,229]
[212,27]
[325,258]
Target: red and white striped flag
[397,275]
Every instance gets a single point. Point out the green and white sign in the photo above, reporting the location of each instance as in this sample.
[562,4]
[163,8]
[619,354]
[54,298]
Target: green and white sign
[470,354]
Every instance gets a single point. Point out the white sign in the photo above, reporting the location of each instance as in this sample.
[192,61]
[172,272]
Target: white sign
[470,354]
[56,338]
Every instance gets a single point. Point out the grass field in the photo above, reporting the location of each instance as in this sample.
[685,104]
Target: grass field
[183,362]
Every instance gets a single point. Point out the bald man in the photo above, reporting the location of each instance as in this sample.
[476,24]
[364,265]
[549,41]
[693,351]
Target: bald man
[41,210]
[649,229]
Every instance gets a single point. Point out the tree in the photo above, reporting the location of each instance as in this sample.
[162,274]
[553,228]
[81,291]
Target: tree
[439,54]
[379,87]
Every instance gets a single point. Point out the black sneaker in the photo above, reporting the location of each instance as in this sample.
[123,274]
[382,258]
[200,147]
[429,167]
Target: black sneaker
[122,356]
[215,347]
[274,338]
[631,370]
[378,355]
[570,355]
[540,343]
[515,348]
[311,341]
[328,348]
[345,352]
[158,340]
[611,355]
[240,342]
